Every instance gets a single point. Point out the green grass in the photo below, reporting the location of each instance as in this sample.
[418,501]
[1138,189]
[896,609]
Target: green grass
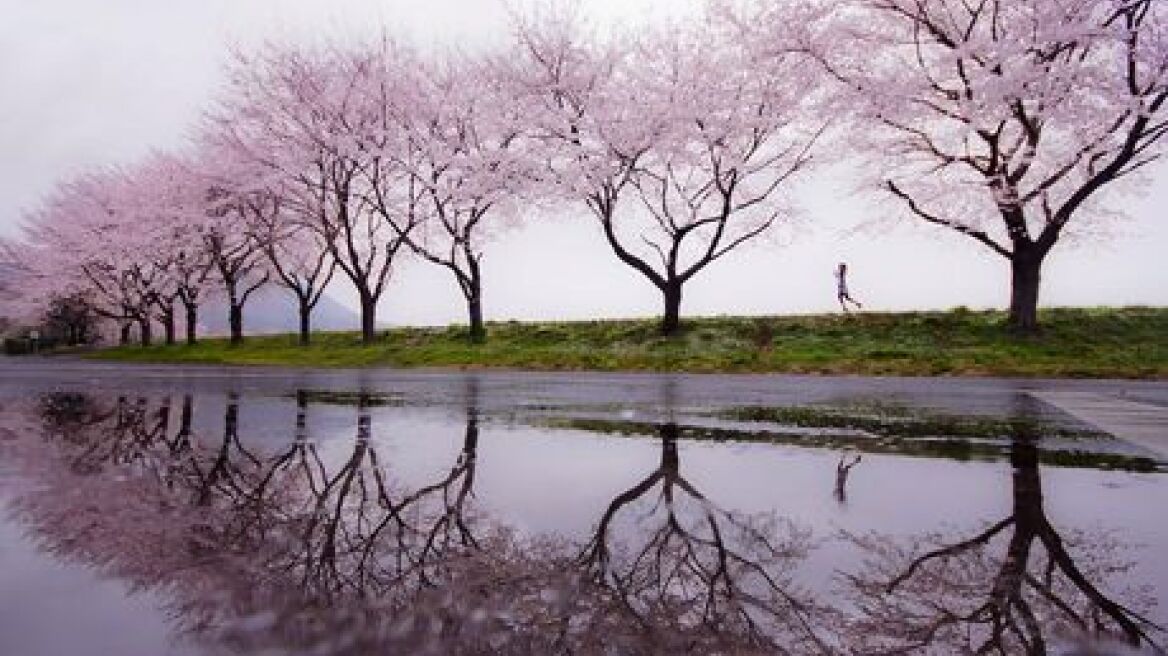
[938,445]
[344,398]
[1073,342]
[895,421]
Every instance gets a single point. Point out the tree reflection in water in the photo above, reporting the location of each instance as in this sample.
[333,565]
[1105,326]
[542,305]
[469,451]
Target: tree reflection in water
[1012,588]
[287,550]
[362,535]
[699,578]
[299,551]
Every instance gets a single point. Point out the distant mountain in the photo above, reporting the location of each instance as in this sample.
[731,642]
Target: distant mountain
[273,310]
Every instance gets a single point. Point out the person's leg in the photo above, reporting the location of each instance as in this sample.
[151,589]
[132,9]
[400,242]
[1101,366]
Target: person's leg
[843,305]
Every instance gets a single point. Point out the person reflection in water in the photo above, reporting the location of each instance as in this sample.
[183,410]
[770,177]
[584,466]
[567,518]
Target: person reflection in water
[842,469]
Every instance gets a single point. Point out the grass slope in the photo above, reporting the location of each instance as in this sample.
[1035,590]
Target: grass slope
[1102,342]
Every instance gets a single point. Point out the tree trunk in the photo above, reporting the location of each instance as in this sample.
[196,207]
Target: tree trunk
[305,322]
[1028,504]
[235,319]
[301,436]
[368,319]
[1025,270]
[192,322]
[184,425]
[364,419]
[124,337]
[470,442]
[669,461]
[671,320]
[146,332]
[168,327]
[478,332]
[231,420]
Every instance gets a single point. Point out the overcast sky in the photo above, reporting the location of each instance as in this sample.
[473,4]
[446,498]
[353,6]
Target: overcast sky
[87,83]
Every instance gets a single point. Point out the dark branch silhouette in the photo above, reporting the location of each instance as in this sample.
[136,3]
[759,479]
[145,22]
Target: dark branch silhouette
[702,578]
[1002,590]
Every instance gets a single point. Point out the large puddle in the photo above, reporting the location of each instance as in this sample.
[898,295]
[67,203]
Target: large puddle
[338,520]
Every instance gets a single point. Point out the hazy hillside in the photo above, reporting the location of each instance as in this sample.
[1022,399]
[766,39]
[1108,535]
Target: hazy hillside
[273,310]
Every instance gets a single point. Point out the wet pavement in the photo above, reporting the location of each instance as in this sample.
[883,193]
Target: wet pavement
[1144,424]
[187,510]
[960,395]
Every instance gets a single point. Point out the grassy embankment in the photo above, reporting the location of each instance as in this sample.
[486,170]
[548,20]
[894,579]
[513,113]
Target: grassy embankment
[1103,342]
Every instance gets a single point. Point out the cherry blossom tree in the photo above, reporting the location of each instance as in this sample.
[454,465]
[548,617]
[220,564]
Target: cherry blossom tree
[307,114]
[239,202]
[11,273]
[71,319]
[143,207]
[1002,121]
[173,206]
[23,296]
[82,240]
[130,240]
[461,144]
[683,130]
[298,258]
[188,273]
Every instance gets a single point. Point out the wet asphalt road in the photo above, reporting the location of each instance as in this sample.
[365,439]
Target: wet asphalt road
[501,389]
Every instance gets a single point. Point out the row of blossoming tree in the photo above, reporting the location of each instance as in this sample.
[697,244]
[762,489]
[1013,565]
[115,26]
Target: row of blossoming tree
[1002,120]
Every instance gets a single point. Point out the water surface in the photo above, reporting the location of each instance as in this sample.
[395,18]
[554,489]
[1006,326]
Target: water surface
[468,513]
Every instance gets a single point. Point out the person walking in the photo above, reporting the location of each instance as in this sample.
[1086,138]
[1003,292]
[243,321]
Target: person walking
[841,280]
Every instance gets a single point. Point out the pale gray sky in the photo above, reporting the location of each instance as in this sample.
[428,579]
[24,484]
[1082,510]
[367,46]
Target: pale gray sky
[88,83]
